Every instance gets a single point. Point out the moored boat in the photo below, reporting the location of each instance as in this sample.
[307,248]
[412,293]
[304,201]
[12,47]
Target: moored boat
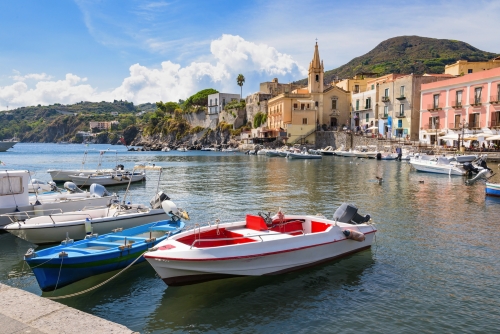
[108,179]
[436,164]
[72,261]
[493,189]
[260,245]
[7,143]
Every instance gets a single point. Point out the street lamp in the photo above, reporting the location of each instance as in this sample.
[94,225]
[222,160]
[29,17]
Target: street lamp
[436,127]
[463,124]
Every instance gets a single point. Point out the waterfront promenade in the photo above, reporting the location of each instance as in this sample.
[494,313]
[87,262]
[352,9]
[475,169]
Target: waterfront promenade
[24,312]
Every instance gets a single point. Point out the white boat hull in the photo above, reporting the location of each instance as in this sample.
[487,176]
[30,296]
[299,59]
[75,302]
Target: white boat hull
[5,145]
[270,253]
[59,175]
[303,156]
[434,168]
[75,229]
[106,180]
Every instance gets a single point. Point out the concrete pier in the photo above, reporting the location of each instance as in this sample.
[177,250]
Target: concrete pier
[24,312]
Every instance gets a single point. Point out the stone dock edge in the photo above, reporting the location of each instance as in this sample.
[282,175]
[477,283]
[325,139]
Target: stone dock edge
[24,312]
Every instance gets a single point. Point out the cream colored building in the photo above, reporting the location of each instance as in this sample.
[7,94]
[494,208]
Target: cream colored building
[357,84]
[463,67]
[304,111]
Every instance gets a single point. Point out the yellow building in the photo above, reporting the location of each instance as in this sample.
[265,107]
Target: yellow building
[357,84]
[463,67]
[304,111]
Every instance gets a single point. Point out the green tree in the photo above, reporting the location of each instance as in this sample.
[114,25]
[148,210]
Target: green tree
[167,107]
[240,80]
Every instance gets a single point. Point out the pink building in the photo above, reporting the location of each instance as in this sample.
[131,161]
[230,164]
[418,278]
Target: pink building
[461,106]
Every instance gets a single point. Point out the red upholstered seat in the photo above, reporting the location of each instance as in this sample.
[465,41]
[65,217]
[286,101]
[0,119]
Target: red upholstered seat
[256,223]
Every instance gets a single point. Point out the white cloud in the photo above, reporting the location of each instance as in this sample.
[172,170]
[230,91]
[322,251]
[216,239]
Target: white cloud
[34,76]
[230,55]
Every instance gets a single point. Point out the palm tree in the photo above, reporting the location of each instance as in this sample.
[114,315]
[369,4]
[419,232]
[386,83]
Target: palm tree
[240,80]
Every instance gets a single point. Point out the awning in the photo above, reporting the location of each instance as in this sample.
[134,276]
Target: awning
[450,136]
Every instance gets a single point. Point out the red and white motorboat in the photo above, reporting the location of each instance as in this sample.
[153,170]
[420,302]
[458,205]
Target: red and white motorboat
[260,245]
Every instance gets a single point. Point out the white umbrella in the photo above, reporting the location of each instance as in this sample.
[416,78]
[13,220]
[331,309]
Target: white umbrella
[495,137]
[450,136]
[373,128]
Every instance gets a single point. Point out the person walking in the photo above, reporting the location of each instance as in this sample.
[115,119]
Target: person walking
[399,152]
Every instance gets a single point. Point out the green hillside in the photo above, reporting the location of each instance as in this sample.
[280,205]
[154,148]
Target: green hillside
[409,54]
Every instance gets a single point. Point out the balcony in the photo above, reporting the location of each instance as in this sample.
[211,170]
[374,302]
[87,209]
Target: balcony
[434,107]
[385,99]
[400,115]
[457,105]
[430,127]
[454,126]
[475,102]
[474,125]
[384,116]
[495,123]
[401,97]
[495,99]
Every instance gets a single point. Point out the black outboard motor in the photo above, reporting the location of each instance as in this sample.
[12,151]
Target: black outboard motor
[348,213]
[379,156]
[158,199]
[469,168]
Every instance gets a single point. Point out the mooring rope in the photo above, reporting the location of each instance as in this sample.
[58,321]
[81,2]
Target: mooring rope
[98,285]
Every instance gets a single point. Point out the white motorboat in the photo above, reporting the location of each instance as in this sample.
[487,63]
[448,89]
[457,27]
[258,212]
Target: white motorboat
[39,186]
[111,179]
[62,175]
[436,164]
[260,245]
[14,196]
[273,153]
[7,143]
[304,154]
[327,151]
[230,149]
[182,149]
[77,224]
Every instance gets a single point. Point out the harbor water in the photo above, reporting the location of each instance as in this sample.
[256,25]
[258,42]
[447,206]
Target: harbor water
[434,266]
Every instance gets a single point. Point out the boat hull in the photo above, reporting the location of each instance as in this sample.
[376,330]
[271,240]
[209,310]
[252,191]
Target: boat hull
[303,156]
[429,168]
[106,180]
[5,145]
[59,175]
[493,189]
[76,230]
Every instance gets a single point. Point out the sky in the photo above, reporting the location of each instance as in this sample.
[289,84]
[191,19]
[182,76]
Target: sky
[64,51]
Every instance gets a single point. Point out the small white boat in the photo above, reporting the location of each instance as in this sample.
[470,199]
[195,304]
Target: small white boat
[7,143]
[327,151]
[303,155]
[436,164]
[53,228]
[182,149]
[39,186]
[230,149]
[111,179]
[62,175]
[165,149]
[260,245]
[16,198]
[273,153]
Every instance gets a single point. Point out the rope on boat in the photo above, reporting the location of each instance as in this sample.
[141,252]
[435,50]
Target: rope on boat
[98,285]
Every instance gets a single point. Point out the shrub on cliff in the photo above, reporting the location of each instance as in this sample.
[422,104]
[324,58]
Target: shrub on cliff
[198,99]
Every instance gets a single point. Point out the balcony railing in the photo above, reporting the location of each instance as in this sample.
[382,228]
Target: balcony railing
[385,99]
[430,127]
[495,99]
[476,102]
[401,97]
[457,104]
[384,116]
[434,107]
[454,126]
[494,123]
[474,125]
[400,115]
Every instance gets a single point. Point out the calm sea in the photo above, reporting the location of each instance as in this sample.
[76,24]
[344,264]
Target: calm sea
[434,266]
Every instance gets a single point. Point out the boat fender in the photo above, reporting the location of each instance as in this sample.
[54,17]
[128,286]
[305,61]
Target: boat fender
[30,254]
[354,235]
[63,254]
[88,226]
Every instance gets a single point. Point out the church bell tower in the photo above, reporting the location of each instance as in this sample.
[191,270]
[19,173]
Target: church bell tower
[316,71]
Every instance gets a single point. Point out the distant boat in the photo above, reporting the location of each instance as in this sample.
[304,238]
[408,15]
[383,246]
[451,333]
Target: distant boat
[493,189]
[7,143]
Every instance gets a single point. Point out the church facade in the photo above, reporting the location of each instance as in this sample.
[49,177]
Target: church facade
[303,111]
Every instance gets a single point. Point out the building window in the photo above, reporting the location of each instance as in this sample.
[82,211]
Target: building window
[469,70]
[498,92]
[367,118]
[436,101]
[373,87]
[304,121]
[356,88]
[434,122]
[368,103]
[386,92]
[477,95]
[334,104]
[357,105]
[402,91]
[400,123]
[457,121]
[317,78]
[458,102]
[295,106]
[302,106]
[401,110]
[316,104]
[223,103]
[386,111]
[216,102]
[210,101]
[308,106]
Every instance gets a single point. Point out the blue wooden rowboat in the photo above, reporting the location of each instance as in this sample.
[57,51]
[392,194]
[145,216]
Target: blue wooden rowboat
[493,189]
[72,261]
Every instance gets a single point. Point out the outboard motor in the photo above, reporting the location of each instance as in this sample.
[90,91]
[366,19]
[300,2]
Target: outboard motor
[120,167]
[53,186]
[469,168]
[379,156]
[171,209]
[158,199]
[72,188]
[348,213]
[97,190]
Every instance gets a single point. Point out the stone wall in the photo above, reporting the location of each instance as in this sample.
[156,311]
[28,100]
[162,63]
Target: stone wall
[348,140]
[201,118]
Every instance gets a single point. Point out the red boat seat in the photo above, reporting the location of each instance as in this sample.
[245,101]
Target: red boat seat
[319,227]
[290,226]
[256,223]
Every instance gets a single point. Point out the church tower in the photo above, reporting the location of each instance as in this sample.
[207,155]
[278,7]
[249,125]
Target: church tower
[316,71]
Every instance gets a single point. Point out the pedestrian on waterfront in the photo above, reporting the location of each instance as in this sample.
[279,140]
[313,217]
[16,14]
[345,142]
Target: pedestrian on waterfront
[399,152]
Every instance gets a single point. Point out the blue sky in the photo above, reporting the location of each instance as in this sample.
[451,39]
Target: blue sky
[64,51]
